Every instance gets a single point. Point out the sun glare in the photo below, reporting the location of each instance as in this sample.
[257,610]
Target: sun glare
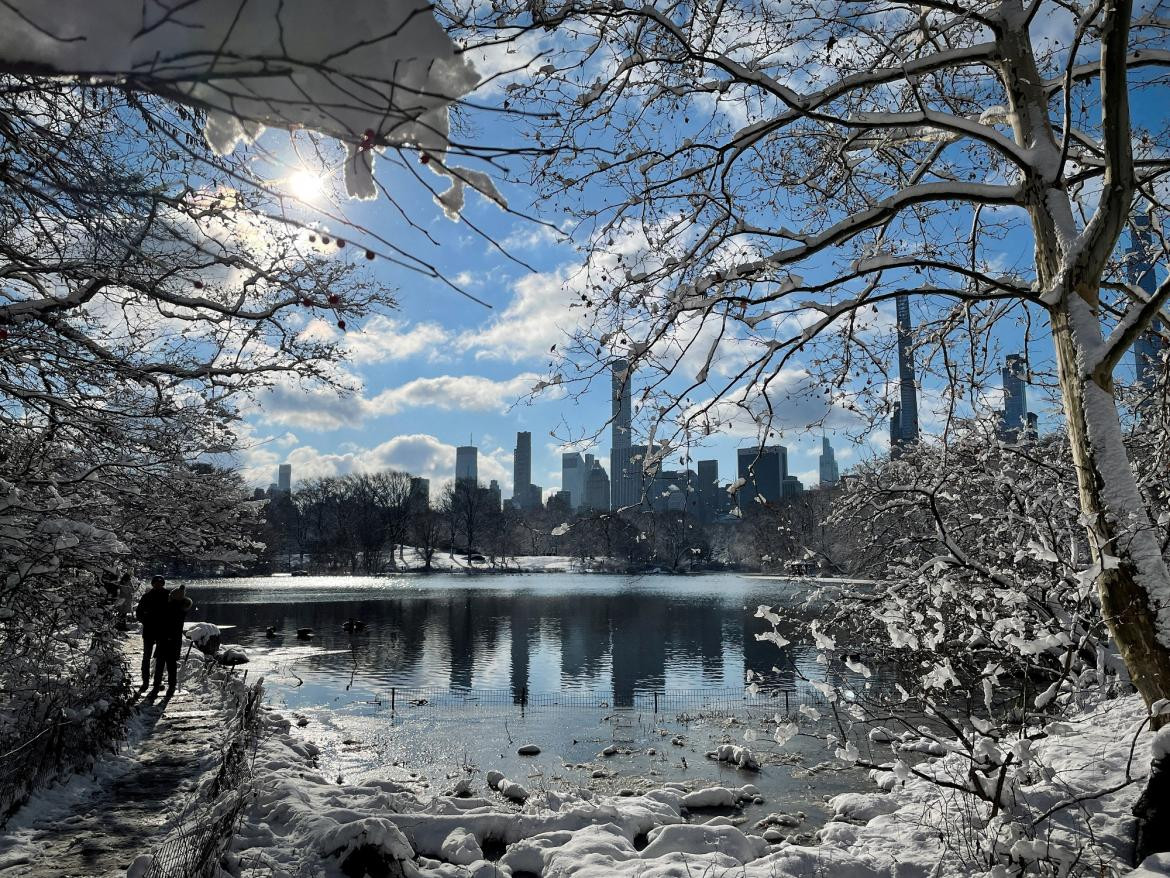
[304,185]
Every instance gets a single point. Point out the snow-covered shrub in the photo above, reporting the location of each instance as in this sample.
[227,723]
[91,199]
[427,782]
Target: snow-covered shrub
[982,632]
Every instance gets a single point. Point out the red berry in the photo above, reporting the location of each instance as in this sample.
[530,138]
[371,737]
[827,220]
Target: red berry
[340,243]
[334,298]
[324,239]
[341,325]
[198,284]
[312,239]
[308,303]
[369,254]
[3,334]
[424,158]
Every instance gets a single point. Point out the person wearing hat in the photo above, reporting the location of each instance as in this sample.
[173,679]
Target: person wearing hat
[151,612]
[171,638]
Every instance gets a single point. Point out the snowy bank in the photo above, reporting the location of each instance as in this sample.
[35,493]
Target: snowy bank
[1078,790]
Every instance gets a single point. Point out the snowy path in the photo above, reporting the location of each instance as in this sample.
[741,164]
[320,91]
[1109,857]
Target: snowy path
[97,824]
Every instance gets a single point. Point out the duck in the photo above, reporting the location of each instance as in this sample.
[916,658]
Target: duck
[304,633]
[353,626]
[270,632]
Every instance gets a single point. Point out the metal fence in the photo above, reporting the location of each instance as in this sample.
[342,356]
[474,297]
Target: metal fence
[194,847]
[737,699]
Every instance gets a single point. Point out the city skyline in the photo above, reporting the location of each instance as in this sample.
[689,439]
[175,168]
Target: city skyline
[1014,418]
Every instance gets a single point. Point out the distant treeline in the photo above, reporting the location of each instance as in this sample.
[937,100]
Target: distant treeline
[370,523]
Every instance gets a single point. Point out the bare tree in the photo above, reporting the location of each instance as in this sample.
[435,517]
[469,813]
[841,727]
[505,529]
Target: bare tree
[763,180]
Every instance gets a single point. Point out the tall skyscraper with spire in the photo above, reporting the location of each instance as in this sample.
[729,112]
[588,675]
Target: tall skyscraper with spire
[1140,269]
[467,464]
[904,423]
[625,458]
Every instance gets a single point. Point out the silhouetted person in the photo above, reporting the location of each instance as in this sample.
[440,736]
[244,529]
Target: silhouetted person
[151,612]
[171,638]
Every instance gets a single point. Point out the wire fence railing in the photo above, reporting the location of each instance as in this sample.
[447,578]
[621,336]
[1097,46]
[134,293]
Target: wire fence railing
[193,849]
[786,700]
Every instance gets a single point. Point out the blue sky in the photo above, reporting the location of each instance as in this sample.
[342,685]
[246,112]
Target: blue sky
[445,370]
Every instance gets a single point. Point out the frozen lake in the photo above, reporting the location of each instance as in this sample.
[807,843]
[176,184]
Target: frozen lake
[604,644]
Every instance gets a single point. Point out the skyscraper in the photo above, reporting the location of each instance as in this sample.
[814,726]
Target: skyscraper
[597,488]
[763,470]
[522,471]
[904,424]
[420,494]
[467,464]
[284,478]
[1015,399]
[1141,271]
[828,464]
[707,487]
[494,495]
[625,459]
[573,477]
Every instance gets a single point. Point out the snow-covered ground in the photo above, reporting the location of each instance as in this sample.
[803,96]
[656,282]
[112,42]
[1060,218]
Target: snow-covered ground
[444,561]
[1086,774]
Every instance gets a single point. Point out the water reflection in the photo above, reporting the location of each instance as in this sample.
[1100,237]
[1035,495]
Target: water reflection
[527,634]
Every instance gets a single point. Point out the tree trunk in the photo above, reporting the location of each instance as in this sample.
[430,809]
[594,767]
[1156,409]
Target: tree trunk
[1133,577]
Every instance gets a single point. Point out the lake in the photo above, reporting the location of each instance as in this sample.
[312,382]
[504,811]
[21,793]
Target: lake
[478,664]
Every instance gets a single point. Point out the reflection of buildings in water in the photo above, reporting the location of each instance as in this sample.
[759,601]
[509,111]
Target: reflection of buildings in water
[639,646]
[624,642]
[522,626]
[696,637]
[584,639]
[461,640]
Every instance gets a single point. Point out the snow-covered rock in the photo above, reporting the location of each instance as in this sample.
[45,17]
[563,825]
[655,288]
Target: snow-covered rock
[733,754]
[703,839]
[862,807]
[233,655]
[1156,866]
[719,797]
[461,848]
[361,843]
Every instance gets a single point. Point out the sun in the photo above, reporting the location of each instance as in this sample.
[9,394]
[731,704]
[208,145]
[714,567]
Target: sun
[304,185]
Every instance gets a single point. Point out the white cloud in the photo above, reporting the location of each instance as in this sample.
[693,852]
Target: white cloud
[321,409]
[384,339]
[419,454]
[308,408]
[537,318]
[532,237]
[453,392]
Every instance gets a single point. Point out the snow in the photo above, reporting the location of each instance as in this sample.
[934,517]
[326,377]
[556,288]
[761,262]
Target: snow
[578,833]
[1156,866]
[383,74]
[461,848]
[376,832]
[202,634]
[741,757]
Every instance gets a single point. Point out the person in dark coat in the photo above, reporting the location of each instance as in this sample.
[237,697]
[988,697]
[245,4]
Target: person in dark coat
[171,638]
[151,612]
